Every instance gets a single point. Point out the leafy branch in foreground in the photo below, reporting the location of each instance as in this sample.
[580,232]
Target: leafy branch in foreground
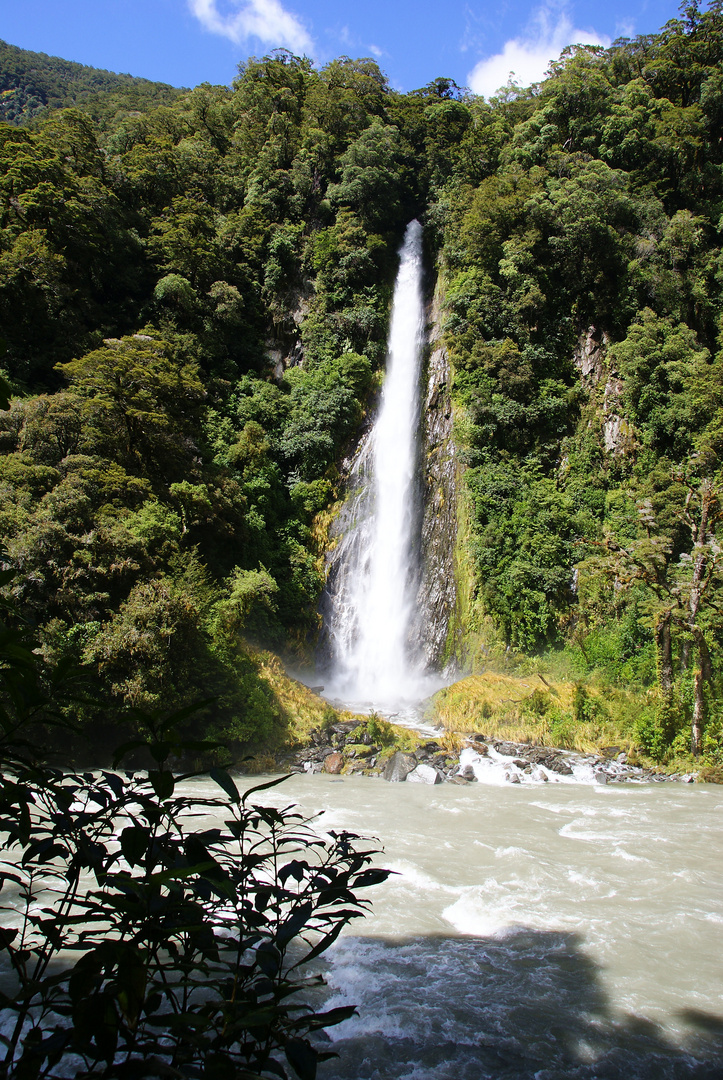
[161,925]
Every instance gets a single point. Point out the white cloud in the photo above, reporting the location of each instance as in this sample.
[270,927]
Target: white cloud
[528,57]
[376,51]
[625,28]
[266,20]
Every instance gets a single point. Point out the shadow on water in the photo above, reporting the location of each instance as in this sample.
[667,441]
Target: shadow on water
[527,1005]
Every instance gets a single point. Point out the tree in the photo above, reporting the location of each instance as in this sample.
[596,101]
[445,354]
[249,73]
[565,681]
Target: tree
[681,596]
[139,397]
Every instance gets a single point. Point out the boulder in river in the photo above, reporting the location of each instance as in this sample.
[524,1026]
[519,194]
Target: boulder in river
[333,763]
[480,748]
[559,765]
[399,766]
[424,774]
[508,749]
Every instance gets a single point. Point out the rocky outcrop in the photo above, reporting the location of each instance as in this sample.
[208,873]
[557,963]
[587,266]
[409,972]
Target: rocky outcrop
[589,357]
[285,349]
[437,594]
[605,386]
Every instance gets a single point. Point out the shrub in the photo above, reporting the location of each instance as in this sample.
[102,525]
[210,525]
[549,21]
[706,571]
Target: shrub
[193,936]
[380,731]
[144,939]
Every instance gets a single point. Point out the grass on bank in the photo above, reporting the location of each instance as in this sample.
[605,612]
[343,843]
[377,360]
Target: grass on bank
[588,715]
[302,711]
[534,708]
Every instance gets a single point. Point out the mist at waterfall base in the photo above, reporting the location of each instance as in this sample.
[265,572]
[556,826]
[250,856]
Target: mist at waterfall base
[370,598]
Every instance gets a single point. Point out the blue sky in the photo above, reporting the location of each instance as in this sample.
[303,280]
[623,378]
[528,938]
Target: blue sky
[185,42]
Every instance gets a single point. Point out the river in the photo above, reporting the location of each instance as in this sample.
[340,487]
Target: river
[540,932]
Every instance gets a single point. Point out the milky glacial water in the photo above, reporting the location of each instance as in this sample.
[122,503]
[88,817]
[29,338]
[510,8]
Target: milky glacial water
[541,932]
[373,660]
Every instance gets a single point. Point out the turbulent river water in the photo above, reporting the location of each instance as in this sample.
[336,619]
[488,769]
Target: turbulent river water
[540,932]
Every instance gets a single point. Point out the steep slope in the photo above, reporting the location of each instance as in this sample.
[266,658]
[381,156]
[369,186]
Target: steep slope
[32,84]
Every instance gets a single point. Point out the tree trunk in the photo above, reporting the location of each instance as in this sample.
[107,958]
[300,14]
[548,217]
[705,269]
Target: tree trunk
[685,654]
[702,676]
[665,654]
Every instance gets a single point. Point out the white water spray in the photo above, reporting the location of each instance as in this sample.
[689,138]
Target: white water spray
[373,597]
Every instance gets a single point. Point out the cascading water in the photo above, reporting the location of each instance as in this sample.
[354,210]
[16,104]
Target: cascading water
[371,595]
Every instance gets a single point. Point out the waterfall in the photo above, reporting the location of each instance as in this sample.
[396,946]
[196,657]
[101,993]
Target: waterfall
[371,593]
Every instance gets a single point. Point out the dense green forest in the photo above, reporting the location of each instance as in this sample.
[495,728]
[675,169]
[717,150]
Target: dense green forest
[194,299]
[33,84]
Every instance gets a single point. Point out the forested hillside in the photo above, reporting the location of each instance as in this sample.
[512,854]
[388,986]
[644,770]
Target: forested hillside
[32,84]
[194,303]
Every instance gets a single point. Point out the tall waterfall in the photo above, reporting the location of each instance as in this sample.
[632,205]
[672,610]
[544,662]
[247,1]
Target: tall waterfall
[371,596]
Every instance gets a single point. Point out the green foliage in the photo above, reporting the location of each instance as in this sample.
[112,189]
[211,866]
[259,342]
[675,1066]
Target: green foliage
[380,731]
[656,730]
[250,594]
[33,83]
[173,946]
[659,362]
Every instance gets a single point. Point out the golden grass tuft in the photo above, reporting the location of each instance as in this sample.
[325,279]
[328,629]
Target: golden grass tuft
[533,709]
[304,709]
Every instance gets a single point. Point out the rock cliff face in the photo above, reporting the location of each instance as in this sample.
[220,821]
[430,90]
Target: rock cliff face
[437,594]
[605,386]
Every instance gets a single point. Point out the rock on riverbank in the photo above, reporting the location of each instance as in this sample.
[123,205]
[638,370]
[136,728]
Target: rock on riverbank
[349,748]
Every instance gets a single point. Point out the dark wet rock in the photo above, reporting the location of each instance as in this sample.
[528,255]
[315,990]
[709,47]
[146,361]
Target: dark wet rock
[424,774]
[560,766]
[313,753]
[345,727]
[432,747]
[480,748]
[601,777]
[508,749]
[468,774]
[539,755]
[520,763]
[459,780]
[513,778]
[437,594]
[399,766]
